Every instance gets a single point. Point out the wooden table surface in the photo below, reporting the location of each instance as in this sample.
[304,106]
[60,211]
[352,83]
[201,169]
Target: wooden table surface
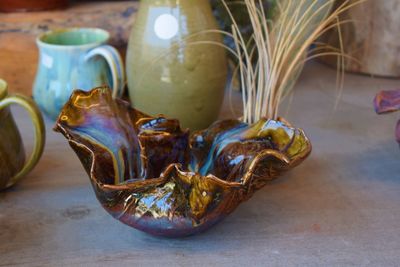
[339,208]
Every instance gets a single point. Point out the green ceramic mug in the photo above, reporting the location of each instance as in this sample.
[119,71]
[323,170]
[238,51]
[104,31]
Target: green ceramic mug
[12,153]
[75,58]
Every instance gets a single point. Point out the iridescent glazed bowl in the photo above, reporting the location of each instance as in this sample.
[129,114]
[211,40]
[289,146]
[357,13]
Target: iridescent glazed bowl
[150,174]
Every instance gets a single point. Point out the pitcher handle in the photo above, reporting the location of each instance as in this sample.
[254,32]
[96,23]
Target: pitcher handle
[40,133]
[115,63]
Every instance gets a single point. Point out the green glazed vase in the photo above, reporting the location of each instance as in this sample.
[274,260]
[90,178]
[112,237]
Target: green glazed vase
[174,67]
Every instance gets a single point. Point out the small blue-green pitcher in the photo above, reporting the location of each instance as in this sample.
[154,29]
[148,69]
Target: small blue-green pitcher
[75,58]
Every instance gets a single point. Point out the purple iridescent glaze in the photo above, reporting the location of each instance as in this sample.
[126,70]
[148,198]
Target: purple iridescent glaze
[386,102]
[150,174]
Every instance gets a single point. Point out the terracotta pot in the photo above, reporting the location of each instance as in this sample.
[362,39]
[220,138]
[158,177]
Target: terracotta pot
[31,5]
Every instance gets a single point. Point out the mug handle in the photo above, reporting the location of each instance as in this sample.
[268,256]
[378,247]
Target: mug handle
[40,133]
[115,63]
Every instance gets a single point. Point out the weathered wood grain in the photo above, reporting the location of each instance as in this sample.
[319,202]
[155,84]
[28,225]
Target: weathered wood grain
[18,31]
[339,208]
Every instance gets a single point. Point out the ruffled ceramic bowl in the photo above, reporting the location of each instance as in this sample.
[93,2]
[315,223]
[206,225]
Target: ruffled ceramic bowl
[150,174]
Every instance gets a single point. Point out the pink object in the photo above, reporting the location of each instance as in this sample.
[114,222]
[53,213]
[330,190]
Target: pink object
[386,102]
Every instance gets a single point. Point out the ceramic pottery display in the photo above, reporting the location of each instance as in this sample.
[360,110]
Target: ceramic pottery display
[12,154]
[74,58]
[387,102]
[150,174]
[172,68]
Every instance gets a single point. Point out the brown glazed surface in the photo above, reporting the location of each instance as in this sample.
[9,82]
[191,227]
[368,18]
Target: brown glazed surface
[13,166]
[150,174]
[12,153]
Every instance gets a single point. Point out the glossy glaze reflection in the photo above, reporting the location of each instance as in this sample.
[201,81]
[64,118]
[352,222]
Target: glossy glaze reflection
[14,164]
[150,174]
[74,58]
[171,61]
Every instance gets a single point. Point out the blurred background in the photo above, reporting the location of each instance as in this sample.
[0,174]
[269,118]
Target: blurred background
[23,20]
[371,38]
